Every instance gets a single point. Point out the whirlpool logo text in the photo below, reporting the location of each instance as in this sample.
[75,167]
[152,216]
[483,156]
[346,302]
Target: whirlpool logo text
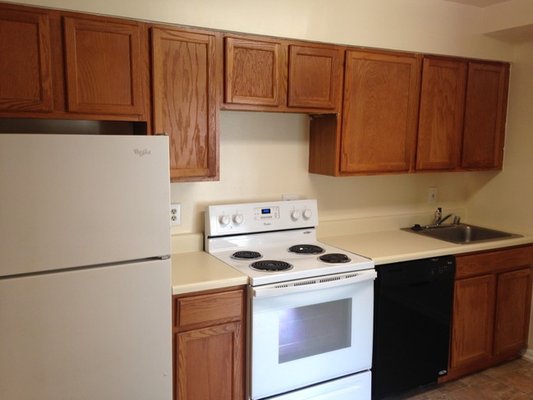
[142,152]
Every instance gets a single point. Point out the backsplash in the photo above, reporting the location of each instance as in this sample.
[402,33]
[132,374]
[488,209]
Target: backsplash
[265,155]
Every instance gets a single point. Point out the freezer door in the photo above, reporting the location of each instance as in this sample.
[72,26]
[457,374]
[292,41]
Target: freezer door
[99,333]
[76,200]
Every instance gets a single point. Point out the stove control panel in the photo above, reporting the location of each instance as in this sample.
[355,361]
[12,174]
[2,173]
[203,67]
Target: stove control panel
[230,219]
[266,213]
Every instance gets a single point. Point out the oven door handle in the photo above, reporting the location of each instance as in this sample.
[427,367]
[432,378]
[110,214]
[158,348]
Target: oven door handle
[321,282]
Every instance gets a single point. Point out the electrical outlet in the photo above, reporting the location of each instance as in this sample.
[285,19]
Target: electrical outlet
[433,194]
[175,214]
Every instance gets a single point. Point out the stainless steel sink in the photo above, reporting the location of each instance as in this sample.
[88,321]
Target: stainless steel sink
[462,233]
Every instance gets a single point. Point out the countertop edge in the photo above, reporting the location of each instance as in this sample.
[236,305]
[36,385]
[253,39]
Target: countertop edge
[413,246]
[198,271]
[208,285]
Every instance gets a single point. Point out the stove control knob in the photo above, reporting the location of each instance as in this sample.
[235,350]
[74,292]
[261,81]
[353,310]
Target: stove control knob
[295,215]
[224,220]
[238,219]
[308,213]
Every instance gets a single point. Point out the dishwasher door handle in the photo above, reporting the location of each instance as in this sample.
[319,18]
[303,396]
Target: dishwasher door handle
[421,283]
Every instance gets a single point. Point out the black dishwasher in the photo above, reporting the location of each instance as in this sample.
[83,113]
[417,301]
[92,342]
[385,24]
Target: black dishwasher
[412,312]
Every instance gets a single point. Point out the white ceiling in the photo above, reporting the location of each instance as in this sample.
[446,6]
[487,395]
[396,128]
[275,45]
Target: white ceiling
[479,3]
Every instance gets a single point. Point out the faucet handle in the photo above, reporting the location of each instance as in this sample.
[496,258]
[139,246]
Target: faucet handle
[456,220]
[437,215]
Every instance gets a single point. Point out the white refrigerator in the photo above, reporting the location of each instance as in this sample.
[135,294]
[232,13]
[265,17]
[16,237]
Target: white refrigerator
[85,287]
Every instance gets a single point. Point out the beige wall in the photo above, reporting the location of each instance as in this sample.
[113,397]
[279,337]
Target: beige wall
[265,155]
[421,25]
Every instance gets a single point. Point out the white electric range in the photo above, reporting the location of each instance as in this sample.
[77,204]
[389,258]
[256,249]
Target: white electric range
[311,304]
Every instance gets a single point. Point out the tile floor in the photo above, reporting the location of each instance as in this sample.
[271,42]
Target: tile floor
[510,381]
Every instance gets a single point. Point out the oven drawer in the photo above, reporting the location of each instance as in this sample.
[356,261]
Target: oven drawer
[350,387]
[209,309]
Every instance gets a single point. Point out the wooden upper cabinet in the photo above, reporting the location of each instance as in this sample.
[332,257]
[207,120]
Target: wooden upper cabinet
[104,66]
[380,112]
[315,77]
[282,75]
[485,112]
[255,72]
[185,102]
[25,61]
[440,123]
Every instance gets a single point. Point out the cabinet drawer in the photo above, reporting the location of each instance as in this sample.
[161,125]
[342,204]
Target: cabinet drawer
[208,309]
[493,261]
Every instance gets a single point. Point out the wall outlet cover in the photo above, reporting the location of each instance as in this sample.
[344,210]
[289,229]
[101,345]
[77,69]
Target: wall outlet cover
[175,214]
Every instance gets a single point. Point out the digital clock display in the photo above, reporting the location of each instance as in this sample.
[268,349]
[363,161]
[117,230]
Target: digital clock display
[266,213]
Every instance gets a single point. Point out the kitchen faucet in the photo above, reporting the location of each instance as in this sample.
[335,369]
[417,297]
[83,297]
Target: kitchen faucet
[438,219]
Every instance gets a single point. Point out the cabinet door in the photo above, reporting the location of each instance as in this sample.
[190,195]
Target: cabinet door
[315,77]
[473,318]
[210,363]
[380,112]
[185,101]
[255,72]
[512,311]
[25,61]
[440,123]
[103,65]
[485,111]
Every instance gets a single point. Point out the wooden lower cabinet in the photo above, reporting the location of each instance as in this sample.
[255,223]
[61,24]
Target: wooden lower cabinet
[209,345]
[512,311]
[473,320]
[492,301]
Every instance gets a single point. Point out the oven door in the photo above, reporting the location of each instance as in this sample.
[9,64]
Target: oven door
[309,331]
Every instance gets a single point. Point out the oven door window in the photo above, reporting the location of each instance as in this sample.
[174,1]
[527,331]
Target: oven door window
[307,331]
[300,339]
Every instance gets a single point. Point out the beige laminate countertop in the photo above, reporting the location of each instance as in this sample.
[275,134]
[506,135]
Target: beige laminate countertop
[397,245]
[197,271]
